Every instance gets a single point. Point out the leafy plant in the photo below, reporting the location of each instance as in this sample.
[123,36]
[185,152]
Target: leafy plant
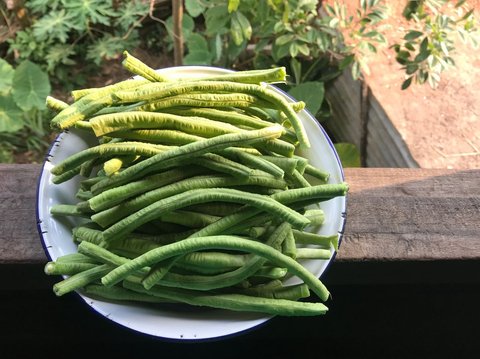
[427,48]
[62,32]
[23,114]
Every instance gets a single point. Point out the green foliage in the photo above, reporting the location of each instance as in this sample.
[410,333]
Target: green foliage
[23,117]
[311,93]
[289,33]
[62,32]
[30,86]
[426,50]
[348,153]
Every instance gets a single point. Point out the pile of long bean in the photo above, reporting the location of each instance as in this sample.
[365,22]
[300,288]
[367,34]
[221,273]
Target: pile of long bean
[194,194]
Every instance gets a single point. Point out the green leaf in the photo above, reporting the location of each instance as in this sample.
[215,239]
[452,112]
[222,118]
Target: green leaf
[296,67]
[42,6]
[412,35]
[371,34]
[284,39]
[233,5]
[236,31]
[304,49]
[30,86]
[197,42]
[356,70]
[407,83]
[348,153]
[194,7]
[293,49]
[131,13]
[311,93]
[110,47]
[411,68]
[218,47]
[233,51]
[198,57]
[87,12]
[279,52]
[6,77]
[409,46]
[363,5]
[216,19]
[422,56]
[59,54]
[53,26]
[198,51]
[371,47]
[245,25]
[11,117]
[346,61]
[187,26]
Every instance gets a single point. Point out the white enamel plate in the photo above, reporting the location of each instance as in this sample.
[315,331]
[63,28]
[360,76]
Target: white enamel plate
[175,322]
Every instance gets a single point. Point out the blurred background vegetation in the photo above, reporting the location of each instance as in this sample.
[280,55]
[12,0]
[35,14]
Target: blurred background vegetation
[55,46]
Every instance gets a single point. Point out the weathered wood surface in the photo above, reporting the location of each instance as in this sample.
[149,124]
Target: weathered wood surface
[392,215]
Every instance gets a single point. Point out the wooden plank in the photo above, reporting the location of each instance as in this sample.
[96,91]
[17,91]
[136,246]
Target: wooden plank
[19,239]
[392,215]
[412,214]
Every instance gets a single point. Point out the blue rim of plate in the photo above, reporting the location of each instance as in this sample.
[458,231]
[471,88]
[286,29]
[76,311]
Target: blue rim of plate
[217,338]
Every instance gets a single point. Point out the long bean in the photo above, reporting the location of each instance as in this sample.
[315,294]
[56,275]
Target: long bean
[199,126]
[313,194]
[195,196]
[89,104]
[236,302]
[124,148]
[110,215]
[199,282]
[132,64]
[217,242]
[192,150]
[148,92]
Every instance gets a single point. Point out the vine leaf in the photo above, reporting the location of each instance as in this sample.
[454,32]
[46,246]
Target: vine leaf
[30,86]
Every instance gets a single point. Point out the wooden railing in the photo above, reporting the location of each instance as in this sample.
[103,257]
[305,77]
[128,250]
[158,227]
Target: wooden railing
[412,233]
[392,215]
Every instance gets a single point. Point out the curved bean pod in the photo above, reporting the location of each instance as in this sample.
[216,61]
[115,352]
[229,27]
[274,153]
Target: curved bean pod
[90,104]
[204,100]
[313,194]
[113,214]
[155,210]
[201,282]
[108,124]
[137,67]
[114,196]
[190,151]
[231,117]
[236,302]
[217,242]
[107,149]
[149,92]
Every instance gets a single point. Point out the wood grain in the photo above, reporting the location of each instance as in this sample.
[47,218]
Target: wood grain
[412,214]
[392,215]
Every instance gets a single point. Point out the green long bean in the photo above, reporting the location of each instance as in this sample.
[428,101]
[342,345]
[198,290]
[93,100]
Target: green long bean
[217,242]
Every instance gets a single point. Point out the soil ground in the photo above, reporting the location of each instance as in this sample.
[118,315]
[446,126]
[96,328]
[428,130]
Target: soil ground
[440,126]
